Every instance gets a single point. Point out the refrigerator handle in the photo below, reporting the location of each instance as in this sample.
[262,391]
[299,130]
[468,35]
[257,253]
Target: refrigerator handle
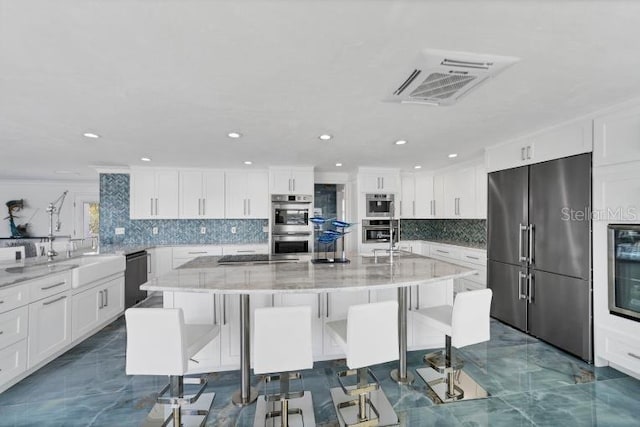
[521,276]
[529,288]
[531,245]
[521,257]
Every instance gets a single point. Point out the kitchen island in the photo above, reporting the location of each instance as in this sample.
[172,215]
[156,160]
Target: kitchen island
[364,275]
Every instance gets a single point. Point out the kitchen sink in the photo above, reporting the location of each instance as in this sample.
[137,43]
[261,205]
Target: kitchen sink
[94,267]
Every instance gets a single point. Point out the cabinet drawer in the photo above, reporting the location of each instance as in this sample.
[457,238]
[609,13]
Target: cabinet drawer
[14,296]
[49,285]
[480,278]
[463,285]
[474,257]
[191,252]
[13,326]
[13,361]
[245,249]
[444,252]
[623,351]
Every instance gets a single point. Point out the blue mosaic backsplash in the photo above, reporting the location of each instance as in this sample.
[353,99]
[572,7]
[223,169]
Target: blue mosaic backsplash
[455,230]
[114,212]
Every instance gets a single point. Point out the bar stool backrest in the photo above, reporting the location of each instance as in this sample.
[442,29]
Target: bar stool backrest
[282,339]
[156,342]
[470,318]
[372,334]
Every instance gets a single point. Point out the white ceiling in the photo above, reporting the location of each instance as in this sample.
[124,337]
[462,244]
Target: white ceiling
[169,79]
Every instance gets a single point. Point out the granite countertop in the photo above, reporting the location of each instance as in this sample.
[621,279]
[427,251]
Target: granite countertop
[362,273]
[482,246]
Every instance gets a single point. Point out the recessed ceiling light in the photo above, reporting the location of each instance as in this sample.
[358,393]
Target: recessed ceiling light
[145,159]
[417,167]
[452,155]
[91,135]
[248,162]
[325,137]
[338,164]
[234,135]
[400,142]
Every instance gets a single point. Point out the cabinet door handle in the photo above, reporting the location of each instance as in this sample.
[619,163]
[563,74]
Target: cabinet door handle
[273,300]
[156,207]
[106,297]
[414,208]
[410,305]
[1,302]
[319,306]
[215,310]
[151,207]
[55,285]
[435,212]
[248,207]
[294,184]
[198,252]
[417,297]
[244,207]
[327,294]
[522,156]
[204,206]
[441,251]
[472,257]
[55,300]
[246,251]
[528,152]
[633,355]
[101,304]
[224,309]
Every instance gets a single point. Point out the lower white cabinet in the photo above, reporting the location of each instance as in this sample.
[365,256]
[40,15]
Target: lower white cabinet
[160,261]
[184,254]
[336,307]
[13,326]
[96,305]
[49,326]
[13,360]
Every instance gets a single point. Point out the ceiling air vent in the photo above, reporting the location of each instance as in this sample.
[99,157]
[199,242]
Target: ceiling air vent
[441,77]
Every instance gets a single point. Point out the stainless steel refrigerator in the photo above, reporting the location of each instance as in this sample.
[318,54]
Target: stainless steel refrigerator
[539,250]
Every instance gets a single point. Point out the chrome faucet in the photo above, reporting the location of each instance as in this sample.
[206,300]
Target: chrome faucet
[52,209]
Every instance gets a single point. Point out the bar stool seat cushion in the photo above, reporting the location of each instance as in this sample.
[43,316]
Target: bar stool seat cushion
[438,317]
[198,336]
[338,331]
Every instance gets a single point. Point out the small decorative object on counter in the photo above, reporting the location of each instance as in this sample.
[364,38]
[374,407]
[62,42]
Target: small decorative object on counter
[330,237]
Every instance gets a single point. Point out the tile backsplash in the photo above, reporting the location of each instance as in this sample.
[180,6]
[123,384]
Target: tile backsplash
[457,230]
[114,212]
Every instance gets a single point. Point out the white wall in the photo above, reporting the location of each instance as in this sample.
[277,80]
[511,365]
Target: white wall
[37,195]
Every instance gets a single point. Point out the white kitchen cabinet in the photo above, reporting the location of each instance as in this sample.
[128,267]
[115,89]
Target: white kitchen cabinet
[407,196]
[13,361]
[288,180]
[96,305]
[246,194]
[438,196]
[13,325]
[160,261]
[259,248]
[460,193]
[616,137]
[425,201]
[481,192]
[14,296]
[378,181]
[154,194]
[555,143]
[201,194]
[184,254]
[49,326]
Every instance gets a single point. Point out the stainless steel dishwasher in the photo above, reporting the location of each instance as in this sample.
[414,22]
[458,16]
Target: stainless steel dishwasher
[134,276]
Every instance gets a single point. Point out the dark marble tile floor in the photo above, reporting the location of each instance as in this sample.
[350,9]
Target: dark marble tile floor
[530,383]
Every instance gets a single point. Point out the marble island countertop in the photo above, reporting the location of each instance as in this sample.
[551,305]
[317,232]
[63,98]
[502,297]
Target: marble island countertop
[204,274]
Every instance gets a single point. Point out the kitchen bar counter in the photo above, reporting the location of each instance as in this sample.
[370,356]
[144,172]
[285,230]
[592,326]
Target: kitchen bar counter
[363,273]
[205,275]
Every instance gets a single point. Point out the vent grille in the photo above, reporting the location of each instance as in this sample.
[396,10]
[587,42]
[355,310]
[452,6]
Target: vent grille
[441,86]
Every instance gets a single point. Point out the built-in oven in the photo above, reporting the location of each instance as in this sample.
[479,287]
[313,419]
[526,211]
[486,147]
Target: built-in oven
[291,228]
[624,270]
[379,205]
[291,243]
[378,230]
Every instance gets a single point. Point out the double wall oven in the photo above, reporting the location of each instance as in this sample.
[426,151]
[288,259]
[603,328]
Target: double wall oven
[291,229]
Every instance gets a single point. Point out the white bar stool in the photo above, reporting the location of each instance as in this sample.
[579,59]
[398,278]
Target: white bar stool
[368,336]
[289,350]
[159,343]
[465,323]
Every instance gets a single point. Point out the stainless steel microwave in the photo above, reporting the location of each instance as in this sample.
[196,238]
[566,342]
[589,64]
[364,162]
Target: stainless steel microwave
[379,205]
[624,270]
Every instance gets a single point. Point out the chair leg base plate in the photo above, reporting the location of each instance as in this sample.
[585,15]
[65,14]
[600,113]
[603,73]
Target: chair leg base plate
[160,412]
[437,383]
[237,399]
[348,416]
[304,404]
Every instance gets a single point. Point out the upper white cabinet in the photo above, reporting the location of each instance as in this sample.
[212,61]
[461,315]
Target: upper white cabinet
[154,194]
[246,194]
[201,194]
[376,181]
[416,199]
[459,194]
[438,196]
[563,141]
[616,137]
[481,191]
[288,180]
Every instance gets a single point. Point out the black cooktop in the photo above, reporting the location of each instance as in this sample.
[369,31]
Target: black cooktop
[244,258]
